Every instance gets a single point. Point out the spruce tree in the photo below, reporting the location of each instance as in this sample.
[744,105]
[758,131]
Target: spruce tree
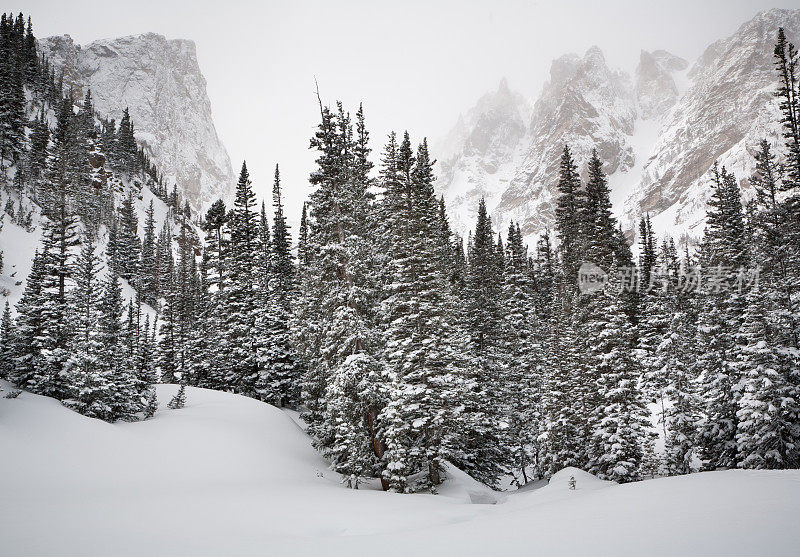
[567,216]
[522,358]
[215,220]
[722,253]
[336,314]
[148,269]
[484,442]
[768,434]
[424,346]
[280,378]
[90,383]
[27,347]
[6,343]
[597,224]
[622,425]
[237,344]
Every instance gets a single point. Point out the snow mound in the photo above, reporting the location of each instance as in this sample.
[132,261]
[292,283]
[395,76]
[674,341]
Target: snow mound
[227,475]
[463,487]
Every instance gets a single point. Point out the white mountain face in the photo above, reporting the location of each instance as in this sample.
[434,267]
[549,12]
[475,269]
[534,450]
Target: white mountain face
[658,134]
[160,82]
[727,110]
[480,155]
[584,104]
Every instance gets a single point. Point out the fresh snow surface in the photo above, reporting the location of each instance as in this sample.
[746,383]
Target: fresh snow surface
[18,246]
[230,476]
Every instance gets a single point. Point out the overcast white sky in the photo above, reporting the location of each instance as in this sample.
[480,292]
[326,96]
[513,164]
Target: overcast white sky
[415,65]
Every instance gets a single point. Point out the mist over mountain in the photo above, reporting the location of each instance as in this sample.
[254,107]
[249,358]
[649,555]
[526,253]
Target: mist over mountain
[658,133]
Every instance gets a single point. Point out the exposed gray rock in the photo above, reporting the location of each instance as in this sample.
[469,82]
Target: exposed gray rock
[160,82]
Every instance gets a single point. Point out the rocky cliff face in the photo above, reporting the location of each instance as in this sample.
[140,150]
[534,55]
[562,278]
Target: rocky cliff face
[160,82]
[658,133]
[727,110]
[584,104]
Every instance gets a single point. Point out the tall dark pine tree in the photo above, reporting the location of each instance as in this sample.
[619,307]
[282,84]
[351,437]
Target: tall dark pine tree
[568,219]
[598,226]
[647,251]
[302,239]
[90,384]
[336,318]
[58,250]
[280,375]
[129,247]
[125,145]
[486,454]
[6,343]
[12,94]
[424,345]
[768,434]
[215,220]
[237,344]
[723,253]
[522,350]
[148,270]
[28,358]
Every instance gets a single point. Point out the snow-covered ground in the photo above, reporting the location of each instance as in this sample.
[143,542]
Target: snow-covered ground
[230,476]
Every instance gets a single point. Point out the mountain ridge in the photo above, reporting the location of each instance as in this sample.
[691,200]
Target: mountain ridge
[657,133]
[161,83]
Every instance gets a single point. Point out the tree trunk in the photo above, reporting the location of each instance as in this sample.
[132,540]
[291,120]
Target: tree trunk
[378,446]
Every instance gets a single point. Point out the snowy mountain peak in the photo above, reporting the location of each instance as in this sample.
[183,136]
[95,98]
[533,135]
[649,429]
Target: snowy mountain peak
[160,81]
[586,104]
[727,110]
[475,153]
[658,134]
[508,153]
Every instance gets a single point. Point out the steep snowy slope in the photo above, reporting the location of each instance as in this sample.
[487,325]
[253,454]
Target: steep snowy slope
[658,133]
[728,109]
[159,80]
[480,155]
[229,475]
[656,89]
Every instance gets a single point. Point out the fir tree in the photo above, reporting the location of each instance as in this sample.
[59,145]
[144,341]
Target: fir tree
[424,345]
[148,269]
[768,434]
[215,219]
[279,380]
[27,346]
[621,433]
[336,315]
[6,343]
[90,383]
[598,226]
[567,216]
[237,347]
[722,253]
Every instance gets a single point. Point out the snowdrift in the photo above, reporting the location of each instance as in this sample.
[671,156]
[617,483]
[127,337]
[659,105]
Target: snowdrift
[229,475]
